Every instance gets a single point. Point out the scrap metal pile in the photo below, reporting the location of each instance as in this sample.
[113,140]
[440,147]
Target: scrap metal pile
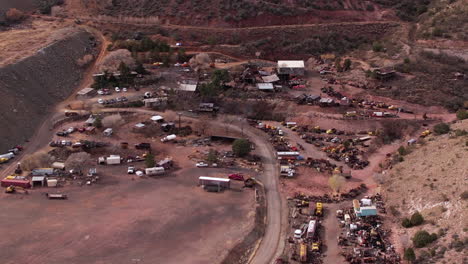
[363,238]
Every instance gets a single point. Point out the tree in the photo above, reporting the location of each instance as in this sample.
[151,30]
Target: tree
[241,147]
[140,69]
[125,73]
[149,160]
[212,156]
[409,255]
[208,89]
[338,66]
[347,65]
[336,182]
[416,219]
[36,160]
[97,122]
[402,151]
[77,161]
[220,77]
[14,15]
[442,128]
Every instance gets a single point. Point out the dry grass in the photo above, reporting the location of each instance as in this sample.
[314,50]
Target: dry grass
[20,43]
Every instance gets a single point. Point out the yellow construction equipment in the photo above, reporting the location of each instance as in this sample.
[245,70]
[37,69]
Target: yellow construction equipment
[316,247]
[14,189]
[303,253]
[318,209]
[425,133]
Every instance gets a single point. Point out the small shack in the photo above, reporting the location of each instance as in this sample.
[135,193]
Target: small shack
[270,78]
[86,93]
[38,180]
[188,86]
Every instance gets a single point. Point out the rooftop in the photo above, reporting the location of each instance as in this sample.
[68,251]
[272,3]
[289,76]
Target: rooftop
[291,64]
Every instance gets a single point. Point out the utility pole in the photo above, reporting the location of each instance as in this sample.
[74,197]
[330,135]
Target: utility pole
[179,114]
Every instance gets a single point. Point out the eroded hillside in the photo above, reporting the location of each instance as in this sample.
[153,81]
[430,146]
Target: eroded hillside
[31,86]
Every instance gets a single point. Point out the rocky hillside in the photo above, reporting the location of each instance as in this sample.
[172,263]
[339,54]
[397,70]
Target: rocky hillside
[431,179]
[29,87]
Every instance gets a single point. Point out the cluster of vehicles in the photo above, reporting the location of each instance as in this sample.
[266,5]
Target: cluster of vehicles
[112,101]
[10,154]
[307,234]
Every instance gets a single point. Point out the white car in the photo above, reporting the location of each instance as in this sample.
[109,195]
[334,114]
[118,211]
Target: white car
[131,170]
[124,90]
[100,92]
[201,165]
[100,101]
[71,130]
[117,89]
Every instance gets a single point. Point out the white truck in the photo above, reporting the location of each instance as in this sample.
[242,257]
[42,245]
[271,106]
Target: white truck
[113,159]
[7,156]
[168,138]
[154,171]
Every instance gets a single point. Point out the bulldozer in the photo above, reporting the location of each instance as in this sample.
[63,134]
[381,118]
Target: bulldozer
[14,189]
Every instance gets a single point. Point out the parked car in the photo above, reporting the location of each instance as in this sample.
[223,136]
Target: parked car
[298,233]
[236,177]
[201,164]
[131,170]
[101,101]
[117,89]
[71,130]
[124,90]
[68,113]
[61,134]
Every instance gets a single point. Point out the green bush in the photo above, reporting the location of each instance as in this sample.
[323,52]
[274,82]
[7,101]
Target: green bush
[377,47]
[442,128]
[406,223]
[241,147]
[409,255]
[462,114]
[423,238]
[149,161]
[402,151]
[416,219]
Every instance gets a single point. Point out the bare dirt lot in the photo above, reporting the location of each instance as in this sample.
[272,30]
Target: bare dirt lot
[120,220]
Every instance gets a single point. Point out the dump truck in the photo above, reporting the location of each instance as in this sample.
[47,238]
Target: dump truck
[319,209]
[303,252]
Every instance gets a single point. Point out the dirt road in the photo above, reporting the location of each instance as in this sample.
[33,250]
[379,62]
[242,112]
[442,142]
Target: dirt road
[332,231]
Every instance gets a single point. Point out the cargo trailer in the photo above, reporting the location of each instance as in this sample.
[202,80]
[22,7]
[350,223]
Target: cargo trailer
[17,183]
[222,182]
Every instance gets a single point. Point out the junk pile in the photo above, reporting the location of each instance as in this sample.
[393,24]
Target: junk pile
[363,239]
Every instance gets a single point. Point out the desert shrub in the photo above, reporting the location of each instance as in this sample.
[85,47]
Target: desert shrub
[409,255]
[98,122]
[462,114]
[464,195]
[212,156]
[402,151]
[115,58]
[406,223]
[391,131]
[423,238]
[441,128]
[416,219]
[377,47]
[241,147]
[14,15]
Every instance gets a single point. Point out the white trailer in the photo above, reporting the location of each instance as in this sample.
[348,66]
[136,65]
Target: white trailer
[154,171]
[311,229]
[221,182]
[8,156]
[168,138]
[113,159]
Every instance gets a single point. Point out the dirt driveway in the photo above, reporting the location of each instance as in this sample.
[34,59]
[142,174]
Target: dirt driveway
[120,220]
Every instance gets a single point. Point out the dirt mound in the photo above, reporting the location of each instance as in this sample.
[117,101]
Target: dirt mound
[29,87]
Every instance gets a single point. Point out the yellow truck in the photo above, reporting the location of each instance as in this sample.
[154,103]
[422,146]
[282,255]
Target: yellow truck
[303,253]
[316,247]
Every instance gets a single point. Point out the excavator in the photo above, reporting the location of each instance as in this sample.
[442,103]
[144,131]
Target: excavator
[14,189]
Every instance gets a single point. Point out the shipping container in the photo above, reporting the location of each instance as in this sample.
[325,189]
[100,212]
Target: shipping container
[18,183]
[42,172]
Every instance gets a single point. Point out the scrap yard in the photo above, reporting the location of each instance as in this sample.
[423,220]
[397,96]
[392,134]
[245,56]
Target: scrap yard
[142,133]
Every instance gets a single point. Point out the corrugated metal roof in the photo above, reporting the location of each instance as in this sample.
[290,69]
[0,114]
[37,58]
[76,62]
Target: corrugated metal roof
[265,86]
[188,87]
[291,64]
[270,78]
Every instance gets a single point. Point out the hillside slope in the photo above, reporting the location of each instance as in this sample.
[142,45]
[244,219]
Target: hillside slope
[432,180]
[29,87]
